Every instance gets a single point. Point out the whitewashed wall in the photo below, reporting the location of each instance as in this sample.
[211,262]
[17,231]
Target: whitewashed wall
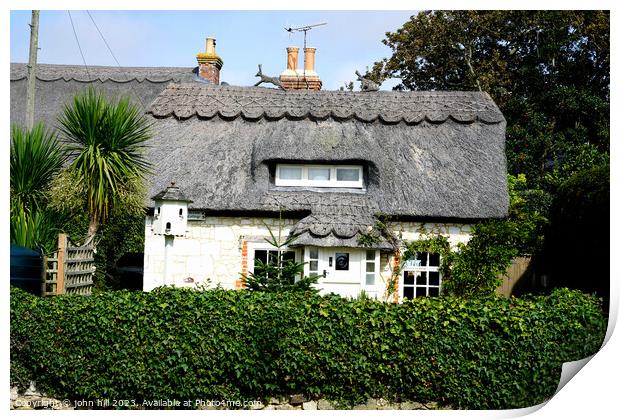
[211,251]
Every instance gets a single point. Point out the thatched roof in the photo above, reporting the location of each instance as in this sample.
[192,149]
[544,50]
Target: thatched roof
[57,84]
[56,72]
[172,193]
[187,100]
[427,155]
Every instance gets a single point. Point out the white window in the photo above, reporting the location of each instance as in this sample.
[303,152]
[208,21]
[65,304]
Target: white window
[329,176]
[371,269]
[313,261]
[421,276]
[270,256]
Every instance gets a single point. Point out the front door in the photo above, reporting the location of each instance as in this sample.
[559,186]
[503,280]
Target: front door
[339,269]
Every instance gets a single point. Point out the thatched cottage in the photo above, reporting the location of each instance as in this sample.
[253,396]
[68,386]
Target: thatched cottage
[229,162]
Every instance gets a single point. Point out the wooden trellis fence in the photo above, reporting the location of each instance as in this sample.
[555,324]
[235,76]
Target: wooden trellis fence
[70,269]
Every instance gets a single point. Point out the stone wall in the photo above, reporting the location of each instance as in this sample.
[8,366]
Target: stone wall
[32,399]
[210,253]
[298,402]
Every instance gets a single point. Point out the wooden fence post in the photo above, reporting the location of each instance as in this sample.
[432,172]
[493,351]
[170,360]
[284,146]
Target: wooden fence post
[44,276]
[62,248]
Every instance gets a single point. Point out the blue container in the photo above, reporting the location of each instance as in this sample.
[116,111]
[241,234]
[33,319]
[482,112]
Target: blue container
[26,269]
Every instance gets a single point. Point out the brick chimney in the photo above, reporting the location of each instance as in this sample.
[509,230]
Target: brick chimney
[294,78]
[209,63]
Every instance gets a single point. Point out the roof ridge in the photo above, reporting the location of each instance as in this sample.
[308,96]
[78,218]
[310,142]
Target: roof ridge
[185,100]
[75,72]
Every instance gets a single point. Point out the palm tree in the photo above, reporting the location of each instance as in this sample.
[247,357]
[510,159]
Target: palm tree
[108,139]
[36,157]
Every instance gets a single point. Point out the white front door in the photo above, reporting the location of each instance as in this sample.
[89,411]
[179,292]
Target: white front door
[340,265]
[339,269]
[345,271]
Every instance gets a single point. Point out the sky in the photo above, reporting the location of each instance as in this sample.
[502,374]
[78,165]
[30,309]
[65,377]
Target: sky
[350,41]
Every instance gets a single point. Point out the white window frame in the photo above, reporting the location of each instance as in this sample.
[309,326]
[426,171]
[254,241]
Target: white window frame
[331,183]
[418,270]
[376,261]
[264,246]
[308,259]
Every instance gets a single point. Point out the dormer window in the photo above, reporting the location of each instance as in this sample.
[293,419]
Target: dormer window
[330,176]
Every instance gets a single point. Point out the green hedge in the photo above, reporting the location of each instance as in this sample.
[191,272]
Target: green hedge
[186,345]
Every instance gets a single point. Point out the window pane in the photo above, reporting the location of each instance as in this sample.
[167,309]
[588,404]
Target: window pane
[420,291]
[314,253]
[370,267]
[370,279]
[273,257]
[261,256]
[370,255]
[288,256]
[347,174]
[313,273]
[409,277]
[290,172]
[433,291]
[342,261]
[421,279]
[318,174]
[408,292]
[422,256]
[434,260]
[433,278]
[313,266]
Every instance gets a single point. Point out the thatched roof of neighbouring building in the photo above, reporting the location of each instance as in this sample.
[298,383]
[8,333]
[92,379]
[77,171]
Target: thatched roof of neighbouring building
[57,84]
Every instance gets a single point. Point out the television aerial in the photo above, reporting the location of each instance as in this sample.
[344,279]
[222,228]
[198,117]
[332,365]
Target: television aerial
[304,29]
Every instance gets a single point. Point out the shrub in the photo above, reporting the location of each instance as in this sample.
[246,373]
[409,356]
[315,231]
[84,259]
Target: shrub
[217,344]
[579,230]
[278,273]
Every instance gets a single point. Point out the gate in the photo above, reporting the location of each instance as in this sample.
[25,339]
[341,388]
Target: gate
[70,269]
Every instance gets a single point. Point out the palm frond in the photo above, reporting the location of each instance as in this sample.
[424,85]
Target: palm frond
[36,156]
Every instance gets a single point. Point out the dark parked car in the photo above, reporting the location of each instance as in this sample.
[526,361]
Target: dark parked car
[130,270]
[26,269]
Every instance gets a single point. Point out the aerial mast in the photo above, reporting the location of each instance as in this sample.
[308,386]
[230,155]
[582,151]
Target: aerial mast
[32,69]
[305,30]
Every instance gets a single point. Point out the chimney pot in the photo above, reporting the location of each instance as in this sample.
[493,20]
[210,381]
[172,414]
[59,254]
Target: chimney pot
[294,78]
[292,56]
[309,59]
[210,50]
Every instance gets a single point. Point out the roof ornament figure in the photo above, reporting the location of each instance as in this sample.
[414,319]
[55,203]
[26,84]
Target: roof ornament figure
[367,84]
[267,79]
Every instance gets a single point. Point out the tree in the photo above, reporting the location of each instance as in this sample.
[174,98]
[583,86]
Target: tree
[548,71]
[278,273]
[578,234]
[108,138]
[36,157]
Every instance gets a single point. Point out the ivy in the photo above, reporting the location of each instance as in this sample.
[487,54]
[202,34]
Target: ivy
[184,344]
